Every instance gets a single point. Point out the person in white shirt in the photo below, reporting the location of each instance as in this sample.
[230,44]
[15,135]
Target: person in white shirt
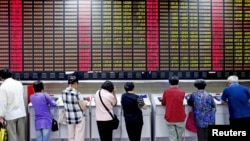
[12,107]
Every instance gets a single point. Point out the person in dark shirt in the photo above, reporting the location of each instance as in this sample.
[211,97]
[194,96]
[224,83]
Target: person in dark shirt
[132,105]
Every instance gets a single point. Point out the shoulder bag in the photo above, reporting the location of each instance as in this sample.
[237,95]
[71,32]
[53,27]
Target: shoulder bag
[115,119]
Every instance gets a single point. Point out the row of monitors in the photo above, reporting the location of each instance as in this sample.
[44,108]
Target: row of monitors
[131,75]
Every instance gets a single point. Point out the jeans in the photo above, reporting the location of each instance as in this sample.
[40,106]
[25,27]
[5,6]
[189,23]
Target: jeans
[43,134]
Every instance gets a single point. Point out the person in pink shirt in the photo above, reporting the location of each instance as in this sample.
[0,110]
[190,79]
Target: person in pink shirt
[103,118]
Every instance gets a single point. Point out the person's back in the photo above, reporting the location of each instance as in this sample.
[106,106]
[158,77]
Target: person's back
[12,106]
[74,106]
[175,111]
[204,108]
[173,99]
[238,100]
[14,94]
[106,96]
[132,105]
[237,97]
[41,102]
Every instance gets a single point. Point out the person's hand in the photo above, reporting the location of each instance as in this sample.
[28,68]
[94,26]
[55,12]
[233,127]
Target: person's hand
[2,121]
[114,91]
[57,103]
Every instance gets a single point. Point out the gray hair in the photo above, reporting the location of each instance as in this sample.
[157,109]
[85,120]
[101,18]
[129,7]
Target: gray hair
[232,79]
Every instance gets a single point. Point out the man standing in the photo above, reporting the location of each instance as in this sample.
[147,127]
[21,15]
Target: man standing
[12,107]
[175,110]
[237,97]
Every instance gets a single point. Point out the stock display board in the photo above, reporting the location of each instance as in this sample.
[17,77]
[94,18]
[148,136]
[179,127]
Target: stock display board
[125,38]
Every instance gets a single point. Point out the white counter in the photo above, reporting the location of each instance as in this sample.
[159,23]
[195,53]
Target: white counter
[160,130]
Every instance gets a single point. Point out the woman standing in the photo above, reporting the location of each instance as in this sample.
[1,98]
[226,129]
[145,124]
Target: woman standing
[103,118]
[204,109]
[132,104]
[74,106]
[43,118]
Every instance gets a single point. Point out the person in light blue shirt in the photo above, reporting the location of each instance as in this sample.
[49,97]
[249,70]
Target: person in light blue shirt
[237,97]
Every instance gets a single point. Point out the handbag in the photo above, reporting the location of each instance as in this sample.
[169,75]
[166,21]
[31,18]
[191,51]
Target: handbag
[54,126]
[190,124]
[114,117]
[3,132]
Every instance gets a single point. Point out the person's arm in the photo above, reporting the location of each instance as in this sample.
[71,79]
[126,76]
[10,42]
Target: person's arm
[51,102]
[213,104]
[190,101]
[3,104]
[224,97]
[83,105]
[81,102]
[114,94]
[141,103]
[248,95]
[163,101]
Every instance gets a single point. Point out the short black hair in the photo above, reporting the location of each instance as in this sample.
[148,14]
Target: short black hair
[200,84]
[108,85]
[5,73]
[129,86]
[72,79]
[38,86]
[173,80]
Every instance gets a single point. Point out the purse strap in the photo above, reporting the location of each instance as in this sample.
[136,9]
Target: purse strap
[105,105]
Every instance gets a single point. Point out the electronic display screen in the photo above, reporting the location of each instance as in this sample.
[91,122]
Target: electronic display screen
[125,35]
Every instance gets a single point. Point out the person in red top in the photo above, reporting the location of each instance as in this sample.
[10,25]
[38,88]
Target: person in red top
[175,110]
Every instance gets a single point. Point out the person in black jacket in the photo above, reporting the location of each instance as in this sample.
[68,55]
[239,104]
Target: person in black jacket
[132,104]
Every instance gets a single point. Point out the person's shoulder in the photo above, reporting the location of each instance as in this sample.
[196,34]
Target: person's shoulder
[181,90]
[243,86]
[209,95]
[166,91]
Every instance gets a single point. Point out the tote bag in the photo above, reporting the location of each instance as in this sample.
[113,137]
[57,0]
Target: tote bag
[3,133]
[190,124]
